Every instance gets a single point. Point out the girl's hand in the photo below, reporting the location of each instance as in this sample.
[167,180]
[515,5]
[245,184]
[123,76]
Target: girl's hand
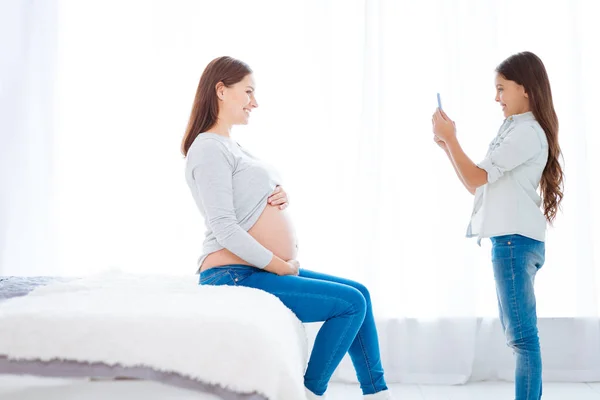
[443,127]
[278,198]
[440,143]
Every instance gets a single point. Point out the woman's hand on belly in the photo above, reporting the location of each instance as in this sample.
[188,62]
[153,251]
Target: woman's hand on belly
[280,267]
[278,198]
[295,266]
[275,231]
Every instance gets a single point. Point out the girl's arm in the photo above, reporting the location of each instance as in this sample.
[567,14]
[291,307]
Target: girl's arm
[442,144]
[469,188]
[471,175]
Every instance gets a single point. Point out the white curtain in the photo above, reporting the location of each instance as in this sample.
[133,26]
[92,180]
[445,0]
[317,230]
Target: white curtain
[28,34]
[346,91]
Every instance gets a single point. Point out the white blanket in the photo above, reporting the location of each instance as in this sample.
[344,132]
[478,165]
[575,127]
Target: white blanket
[242,339]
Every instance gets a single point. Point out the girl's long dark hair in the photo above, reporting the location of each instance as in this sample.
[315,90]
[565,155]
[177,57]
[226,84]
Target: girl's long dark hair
[527,70]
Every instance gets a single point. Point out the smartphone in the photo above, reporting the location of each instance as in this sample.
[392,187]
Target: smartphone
[439,101]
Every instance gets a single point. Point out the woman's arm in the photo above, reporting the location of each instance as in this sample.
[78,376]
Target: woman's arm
[212,173]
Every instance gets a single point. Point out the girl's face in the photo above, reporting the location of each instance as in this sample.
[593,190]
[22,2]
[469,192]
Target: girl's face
[511,96]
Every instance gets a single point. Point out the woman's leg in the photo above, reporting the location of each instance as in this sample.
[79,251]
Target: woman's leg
[516,260]
[342,307]
[364,350]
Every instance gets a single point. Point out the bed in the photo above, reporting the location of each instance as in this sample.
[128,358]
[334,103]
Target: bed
[231,343]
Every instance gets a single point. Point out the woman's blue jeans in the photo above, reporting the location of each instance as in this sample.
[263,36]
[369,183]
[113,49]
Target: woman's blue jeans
[343,305]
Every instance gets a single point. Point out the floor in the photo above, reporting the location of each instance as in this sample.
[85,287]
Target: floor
[30,388]
[474,391]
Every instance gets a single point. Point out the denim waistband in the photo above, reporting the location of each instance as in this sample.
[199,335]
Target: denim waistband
[513,238]
[236,267]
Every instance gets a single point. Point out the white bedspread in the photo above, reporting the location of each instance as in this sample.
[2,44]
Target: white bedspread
[242,339]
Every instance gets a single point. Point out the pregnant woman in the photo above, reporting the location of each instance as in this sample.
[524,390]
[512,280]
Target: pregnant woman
[250,239]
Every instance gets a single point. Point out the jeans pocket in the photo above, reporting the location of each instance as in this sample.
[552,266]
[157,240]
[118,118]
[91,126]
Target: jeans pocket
[239,276]
[506,240]
[503,247]
[216,277]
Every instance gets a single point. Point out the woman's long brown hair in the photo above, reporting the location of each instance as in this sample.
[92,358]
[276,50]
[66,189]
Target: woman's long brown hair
[527,69]
[205,110]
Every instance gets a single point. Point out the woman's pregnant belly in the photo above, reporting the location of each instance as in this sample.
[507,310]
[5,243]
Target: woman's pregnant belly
[274,230]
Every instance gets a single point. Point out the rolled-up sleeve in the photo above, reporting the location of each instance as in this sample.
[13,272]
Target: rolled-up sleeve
[213,175]
[519,146]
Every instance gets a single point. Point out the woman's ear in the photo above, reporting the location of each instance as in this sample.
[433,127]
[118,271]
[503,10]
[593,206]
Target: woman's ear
[220,89]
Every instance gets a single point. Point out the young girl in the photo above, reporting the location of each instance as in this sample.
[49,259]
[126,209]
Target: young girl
[250,240]
[523,156]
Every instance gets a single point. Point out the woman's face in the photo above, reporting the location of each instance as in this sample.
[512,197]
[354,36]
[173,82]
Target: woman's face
[237,101]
